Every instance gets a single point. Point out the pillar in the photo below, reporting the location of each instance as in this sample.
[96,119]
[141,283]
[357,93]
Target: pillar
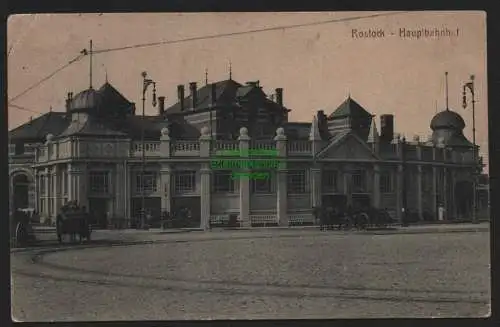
[376,186]
[119,198]
[127,195]
[47,192]
[399,193]
[445,193]
[166,188]
[420,194]
[316,187]
[37,190]
[281,178]
[346,185]
[55,190]
[454,211]
[205,173]
[244,180]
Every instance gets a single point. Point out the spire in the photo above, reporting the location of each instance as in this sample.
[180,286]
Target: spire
[50,109]
[446,89]
[435,106]
[230,71]
[106,74]
[206,76]
[314,134]
[373,136]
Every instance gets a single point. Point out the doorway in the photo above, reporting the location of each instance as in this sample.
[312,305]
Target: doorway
[98,209]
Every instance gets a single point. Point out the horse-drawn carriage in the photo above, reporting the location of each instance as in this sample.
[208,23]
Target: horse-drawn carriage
[357,218]
[73,220]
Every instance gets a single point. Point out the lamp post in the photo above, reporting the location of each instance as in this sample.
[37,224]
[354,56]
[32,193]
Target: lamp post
[146,82]
[405,204]
[470,86]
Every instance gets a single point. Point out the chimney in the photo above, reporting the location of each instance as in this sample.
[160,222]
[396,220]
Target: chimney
[161,105]
[193,94]
[279,96]
[180,95]
[213,94]
[68,101]
[386,128]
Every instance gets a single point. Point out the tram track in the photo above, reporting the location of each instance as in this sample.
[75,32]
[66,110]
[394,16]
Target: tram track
[62,273]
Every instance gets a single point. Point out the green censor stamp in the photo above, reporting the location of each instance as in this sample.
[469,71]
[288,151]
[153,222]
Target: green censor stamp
[238,161]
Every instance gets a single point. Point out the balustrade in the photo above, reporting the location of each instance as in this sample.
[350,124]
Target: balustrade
[299,147]
[152,149]
[184,147]
[226,145]
[262,145]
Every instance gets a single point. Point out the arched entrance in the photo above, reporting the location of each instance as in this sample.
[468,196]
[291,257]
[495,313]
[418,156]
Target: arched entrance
[464,199]
[20,191]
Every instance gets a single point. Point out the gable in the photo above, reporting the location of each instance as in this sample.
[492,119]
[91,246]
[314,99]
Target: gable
[347,146]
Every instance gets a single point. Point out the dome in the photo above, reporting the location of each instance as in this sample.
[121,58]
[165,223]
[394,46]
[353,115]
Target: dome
[88,99]
[447,119]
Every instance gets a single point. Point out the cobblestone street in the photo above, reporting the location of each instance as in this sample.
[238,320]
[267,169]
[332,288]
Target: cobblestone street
[257,274]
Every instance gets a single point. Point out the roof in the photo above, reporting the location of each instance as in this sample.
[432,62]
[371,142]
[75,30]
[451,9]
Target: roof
[106,98]
[90,127]
[447,119]
[227,93]
[349,108]
[37,129]
[458,140]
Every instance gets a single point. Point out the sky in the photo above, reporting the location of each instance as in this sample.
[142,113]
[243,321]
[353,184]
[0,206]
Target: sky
[317,65]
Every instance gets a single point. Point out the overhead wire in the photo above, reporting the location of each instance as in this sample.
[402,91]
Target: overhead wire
[135,46]
[267,29]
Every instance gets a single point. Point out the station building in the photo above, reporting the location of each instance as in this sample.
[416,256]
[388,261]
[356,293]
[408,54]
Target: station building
[102,153]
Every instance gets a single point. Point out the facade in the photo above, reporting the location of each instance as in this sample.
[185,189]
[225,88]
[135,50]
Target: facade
[93,153]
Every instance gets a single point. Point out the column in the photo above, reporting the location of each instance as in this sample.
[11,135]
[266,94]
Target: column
[71,182]
[281,178]
[434,192]
[454,212]
[119,198]
[244,180]
[376,186]
[55,189]
[37,190]
[316,187]
[399,193]
[420,194]
[166,188]
[128,190]
[47,192]
[347,186]
[445,193]
[205,197]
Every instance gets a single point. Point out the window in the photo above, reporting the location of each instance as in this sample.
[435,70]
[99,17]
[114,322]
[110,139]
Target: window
[330,178]
[185,182]
[359,181]
[99,181]
[223,182]
[148,181]
[296,182]
[19,148]
[262,185]
[386,185]
[65,183]
[43,181]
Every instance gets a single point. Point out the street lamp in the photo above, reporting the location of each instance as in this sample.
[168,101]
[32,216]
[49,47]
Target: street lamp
[405,200]
[470,86]
[146,82]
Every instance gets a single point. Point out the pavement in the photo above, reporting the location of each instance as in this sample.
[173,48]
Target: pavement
[272,273]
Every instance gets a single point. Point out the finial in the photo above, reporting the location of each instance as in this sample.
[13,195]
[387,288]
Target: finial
[446,87]
[50,109]
[435,106]
[206,76]
[106,74]
[230,71]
